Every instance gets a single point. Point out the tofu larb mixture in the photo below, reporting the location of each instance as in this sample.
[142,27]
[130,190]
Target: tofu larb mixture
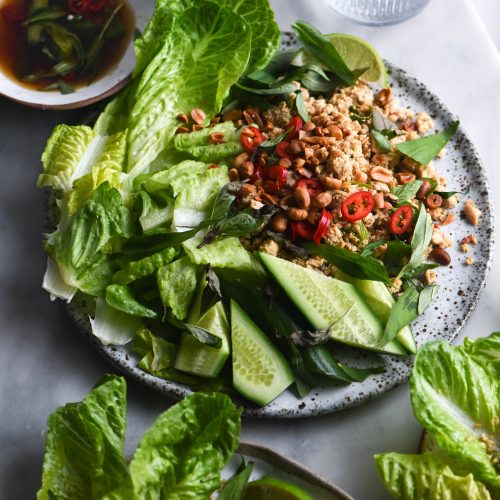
[332,183]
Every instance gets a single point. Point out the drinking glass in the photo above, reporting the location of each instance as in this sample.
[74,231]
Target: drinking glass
[377,12]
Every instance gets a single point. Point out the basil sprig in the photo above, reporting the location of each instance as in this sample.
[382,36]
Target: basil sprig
[353,264]
[301,107]
[382,142]
[408,191]
[424,149]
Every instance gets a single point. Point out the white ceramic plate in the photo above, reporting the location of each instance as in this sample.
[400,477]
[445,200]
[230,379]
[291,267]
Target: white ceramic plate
[456,299]
[110,83]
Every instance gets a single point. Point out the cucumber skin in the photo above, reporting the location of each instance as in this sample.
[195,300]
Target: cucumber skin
[258,394]
[392,348]
[380,301]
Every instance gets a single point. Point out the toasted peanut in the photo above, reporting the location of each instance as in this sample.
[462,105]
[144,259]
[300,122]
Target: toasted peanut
[198,115]
[183,118]
[233,114]
[308,127]
[335,131]
[440,256]
[472,212]
[360,177]
[322,200]
[313,140]
[182,130]
[217,138]
[433,201]
[405,177]
[302,197]
[252,116]
[378,201]
[248,132]
[297,214]
[285,162]
[330,182]
[279,223]
[246,169]
[294,147]
[197,126]
[381,174]
[308,153]
[303,134]
[233,175]
[321,154]
[304,172]
[383,97]
[423,190]
[298,163]
[240,159]
[387,206]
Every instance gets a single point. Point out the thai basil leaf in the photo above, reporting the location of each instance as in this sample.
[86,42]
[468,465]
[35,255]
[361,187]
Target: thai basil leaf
[211,292]
[270,143]
[239,225]
[286,88]
[236,486]
[356,116]
[402,313]
[353,264]
[313,81]
[322,49]
[448,194]
[363,233]
[420,269]
[200,334]
[408,191]
[426,296]
[321,361]
[381,122]
[361,374]
[121,297]
[261,76]
[304,379]
[381,141]
[424,149]
[371,247]
[301,107]
[420,240]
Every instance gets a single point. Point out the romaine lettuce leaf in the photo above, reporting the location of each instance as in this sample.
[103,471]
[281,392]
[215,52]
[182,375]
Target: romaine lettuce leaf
[426,477]
[84,452]
[486,352]
[153,213]
[177,283]
[457,400]
[157,354]
[122,298]
[54,284]
[180,457]
[203,54]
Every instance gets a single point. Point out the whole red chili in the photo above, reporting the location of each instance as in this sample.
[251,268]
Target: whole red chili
[302,229]
[401,220]
[295,125]
[251,137]
[323,226]
[282,149]
[313,186]
[357,206]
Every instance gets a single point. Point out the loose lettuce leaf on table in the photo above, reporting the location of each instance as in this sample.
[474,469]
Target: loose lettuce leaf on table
[84,456]
[426,477]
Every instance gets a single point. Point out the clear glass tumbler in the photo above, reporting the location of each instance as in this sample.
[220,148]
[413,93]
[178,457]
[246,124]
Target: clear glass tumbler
[377,12]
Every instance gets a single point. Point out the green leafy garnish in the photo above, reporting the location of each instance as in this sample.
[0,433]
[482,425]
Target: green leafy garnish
[236,486]
[301,107]
[408,191]
[382,142]
[424,149]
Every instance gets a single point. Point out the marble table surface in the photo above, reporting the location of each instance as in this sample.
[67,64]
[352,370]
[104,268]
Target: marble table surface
[45,362]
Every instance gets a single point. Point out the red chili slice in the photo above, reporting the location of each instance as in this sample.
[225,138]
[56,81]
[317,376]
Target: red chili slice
[323,226]
[78,6]
[277,173]
[282,149]
[251,141]
[295,124]
[357,206]
[96,6]
[401,220]
[313,186]
[302,229]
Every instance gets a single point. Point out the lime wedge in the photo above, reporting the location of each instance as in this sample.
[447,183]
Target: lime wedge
[357,54]
[274,489]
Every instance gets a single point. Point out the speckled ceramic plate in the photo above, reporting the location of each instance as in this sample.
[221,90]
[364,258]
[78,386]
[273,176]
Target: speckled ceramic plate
[456,299]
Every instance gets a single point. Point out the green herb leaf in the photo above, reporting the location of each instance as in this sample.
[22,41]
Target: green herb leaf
[424,149]
[396,252]
[353,264]
[49,13]
[322,49]
[417,271]
[236,486]
[361,374]
[301,107]
[448,194]
[408,191]
[286,88]
[271,143]
[402,313]
[200,334]
[420,240]
[381,141]
[121,297]
[369,249]
[239,225]
[363,233]
[381,122]
[426,296]
[313,81]
[321,361]
[356,116]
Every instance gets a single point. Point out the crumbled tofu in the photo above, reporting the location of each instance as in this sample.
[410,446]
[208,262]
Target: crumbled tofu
[469,261]
[430,276]
[424,123]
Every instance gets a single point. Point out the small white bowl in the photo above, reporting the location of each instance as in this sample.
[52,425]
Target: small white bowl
[115,79]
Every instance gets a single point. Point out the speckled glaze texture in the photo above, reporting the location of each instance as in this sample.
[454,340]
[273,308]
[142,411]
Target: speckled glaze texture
[459,292]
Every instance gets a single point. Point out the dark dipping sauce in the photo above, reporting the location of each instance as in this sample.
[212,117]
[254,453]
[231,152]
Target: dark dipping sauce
[19,59]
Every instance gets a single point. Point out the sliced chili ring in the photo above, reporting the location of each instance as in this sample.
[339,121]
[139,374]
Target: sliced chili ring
[323,226]
[295,125]
[96,6]
[250,140]
[282,150]
[313,186]
[357,206]
[258,174]
[301,229]
[78,6]
[401,220]
[277,173]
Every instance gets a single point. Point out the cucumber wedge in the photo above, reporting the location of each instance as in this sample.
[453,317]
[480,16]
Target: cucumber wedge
[260,371]
[328,302]
[199,359]
[380,301]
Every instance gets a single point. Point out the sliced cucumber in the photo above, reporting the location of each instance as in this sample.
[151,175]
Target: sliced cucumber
[260,371]
[199,359]
[380,300]
[328,302]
